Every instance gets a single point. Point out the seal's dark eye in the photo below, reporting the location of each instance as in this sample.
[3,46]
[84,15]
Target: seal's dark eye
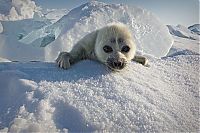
[107,49]
[125,49]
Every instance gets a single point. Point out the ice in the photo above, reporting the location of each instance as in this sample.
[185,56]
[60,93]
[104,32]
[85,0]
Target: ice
[182,31]
[184,39]
[195,28]
[11,48]
[54,14]
[47,39]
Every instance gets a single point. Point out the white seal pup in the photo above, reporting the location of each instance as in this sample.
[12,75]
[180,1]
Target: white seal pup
[112,45]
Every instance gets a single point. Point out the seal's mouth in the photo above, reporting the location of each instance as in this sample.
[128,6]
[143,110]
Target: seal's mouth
[116,64]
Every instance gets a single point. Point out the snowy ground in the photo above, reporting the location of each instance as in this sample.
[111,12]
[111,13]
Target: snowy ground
[39,96]
[42,97]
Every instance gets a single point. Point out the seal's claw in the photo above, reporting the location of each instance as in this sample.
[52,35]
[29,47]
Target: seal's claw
[63,60]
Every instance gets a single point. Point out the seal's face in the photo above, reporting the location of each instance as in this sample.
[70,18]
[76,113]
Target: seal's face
[114,46]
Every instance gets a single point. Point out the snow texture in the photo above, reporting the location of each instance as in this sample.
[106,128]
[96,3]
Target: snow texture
[160,98]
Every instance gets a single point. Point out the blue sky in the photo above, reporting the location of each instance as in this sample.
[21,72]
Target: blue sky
[185,12]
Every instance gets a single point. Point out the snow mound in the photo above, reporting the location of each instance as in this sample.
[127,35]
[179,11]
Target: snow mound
[151,36]
[184,32]
[40,97]
[195,28]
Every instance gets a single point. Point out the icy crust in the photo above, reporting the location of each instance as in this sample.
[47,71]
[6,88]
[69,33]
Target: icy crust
[40,97]
[151,36]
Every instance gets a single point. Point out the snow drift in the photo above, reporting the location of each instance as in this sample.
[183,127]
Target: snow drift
[151,36]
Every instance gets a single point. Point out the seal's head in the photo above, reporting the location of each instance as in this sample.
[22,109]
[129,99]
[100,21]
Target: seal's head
[115,46]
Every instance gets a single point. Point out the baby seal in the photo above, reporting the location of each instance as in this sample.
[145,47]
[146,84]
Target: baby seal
[112,45]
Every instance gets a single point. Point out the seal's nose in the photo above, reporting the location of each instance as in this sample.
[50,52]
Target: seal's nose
[116,63]
[119,64]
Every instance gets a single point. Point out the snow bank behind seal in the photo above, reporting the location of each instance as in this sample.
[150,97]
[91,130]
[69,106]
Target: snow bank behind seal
[151,36]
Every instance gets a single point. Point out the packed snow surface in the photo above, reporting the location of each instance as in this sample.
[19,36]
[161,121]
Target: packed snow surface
[151,36]
[88,97]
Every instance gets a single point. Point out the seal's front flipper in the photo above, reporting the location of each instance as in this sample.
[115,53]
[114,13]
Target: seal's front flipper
[141,59]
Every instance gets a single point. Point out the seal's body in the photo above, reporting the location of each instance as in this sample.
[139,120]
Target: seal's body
[112,45]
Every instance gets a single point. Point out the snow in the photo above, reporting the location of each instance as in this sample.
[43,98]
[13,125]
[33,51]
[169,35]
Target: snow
[37,96]
[62,35]
[17,9]
[41,97]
